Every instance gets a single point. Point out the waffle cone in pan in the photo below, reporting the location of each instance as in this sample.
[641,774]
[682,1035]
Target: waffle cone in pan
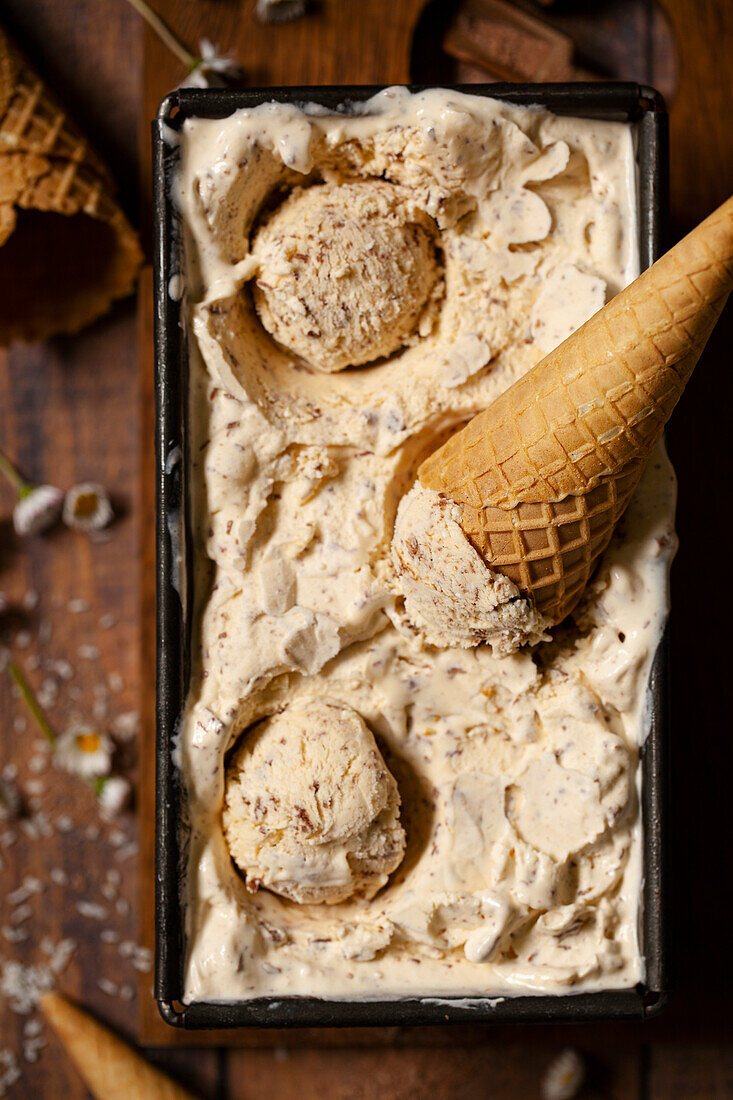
[110,1068]
[66,249]
[544,474]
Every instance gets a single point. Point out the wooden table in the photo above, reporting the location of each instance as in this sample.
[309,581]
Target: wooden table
[79,408]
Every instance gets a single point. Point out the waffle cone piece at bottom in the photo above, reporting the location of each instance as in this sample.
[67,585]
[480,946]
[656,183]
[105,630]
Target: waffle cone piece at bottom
[67,250]
[110,1068]
[544,474]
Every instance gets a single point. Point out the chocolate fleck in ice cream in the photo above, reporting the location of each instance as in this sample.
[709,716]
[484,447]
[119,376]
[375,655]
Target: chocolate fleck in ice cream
[401,778]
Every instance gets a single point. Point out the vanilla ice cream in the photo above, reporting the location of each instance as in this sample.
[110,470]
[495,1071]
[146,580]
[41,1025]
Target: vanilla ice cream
[451,596]
[311,811]
[345,272]
[475,236]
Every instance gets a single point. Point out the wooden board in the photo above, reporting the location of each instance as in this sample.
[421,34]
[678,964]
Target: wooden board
[75,407]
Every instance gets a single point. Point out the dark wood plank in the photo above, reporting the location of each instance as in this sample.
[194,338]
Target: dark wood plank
[502,1071]
[691,1071]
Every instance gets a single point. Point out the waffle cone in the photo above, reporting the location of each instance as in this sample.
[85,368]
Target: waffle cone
[544,474]
[67,249]
[110,1068]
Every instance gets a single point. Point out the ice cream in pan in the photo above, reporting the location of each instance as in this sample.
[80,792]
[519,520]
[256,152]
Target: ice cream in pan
[411,763]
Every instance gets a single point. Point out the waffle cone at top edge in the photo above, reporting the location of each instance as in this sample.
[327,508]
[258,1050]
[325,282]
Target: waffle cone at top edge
[48,167]
[601,399]
[32,120]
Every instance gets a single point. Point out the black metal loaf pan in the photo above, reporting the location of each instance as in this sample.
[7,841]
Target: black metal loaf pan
[644,108]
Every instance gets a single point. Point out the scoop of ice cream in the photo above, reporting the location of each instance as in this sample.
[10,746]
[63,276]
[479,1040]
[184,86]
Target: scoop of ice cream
[311,810]
[451,595]
[345,272]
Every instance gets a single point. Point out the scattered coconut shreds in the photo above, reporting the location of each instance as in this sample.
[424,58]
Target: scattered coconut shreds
[127,992]
[19,724]
[58,876]
[108,987]
[107,621]
[126,725]
[9,1071]
[564,1076]
[21,914]
[108,935]
[88,652]
[37,764]
[23,986]
[10,772]
[100,710]
[32,1048]
[61,955]
[87,507]
[64,823]
[92,910]
[127,851]
[63,669]
[45,631]
[30,600]
[32,1028]
[14,935]
[78,606]
[26,890]
[22,639]
[115,681]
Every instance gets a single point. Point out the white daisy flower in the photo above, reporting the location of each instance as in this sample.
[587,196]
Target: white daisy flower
[85,752]
[564,1076]
[87,507]
[38,509]
[114,794]
[212,69]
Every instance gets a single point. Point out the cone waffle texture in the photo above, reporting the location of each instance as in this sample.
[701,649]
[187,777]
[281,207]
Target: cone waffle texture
[544,474]
[47,165]
[110,1068]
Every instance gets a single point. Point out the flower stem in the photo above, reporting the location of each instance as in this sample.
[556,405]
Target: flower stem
[164,33]
[35,708]
[10,473]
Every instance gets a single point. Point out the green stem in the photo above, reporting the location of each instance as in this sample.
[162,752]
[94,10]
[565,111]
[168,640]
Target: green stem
[31,702]
[164,33]
[9,471]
